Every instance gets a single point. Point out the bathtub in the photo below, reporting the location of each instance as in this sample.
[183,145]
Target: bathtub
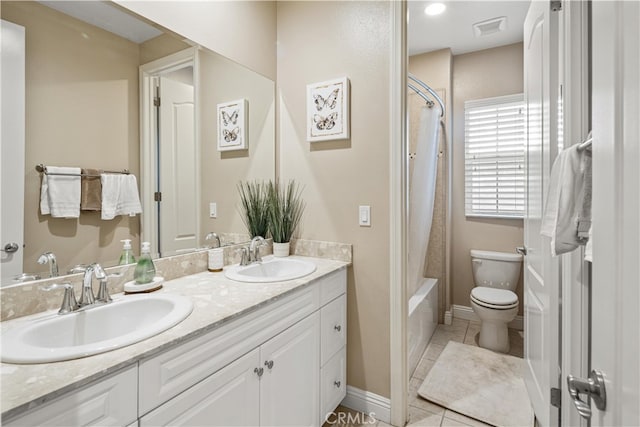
[423,319]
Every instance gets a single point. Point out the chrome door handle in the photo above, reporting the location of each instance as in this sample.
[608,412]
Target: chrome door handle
[10,248]
[522,250]
[593,387]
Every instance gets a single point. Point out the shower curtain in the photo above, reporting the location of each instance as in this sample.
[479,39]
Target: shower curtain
[422,194]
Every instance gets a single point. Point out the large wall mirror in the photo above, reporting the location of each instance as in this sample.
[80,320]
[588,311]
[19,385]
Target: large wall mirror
[89,103]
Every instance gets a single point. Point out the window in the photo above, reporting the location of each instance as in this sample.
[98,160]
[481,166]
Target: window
[494,140]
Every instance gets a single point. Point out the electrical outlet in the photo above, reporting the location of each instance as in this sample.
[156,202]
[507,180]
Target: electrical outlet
[364,216]
[213,210]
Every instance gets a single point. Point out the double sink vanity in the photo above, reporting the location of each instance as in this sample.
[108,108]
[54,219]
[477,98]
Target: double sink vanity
[263,344]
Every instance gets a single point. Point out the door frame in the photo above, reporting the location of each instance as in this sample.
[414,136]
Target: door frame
[148,134]
[574,75]
[398,210]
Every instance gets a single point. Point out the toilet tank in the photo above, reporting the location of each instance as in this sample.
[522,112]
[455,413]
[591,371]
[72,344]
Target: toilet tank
[496,269]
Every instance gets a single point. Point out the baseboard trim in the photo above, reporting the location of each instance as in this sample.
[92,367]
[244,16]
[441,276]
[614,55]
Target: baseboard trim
[370,403]
[448,317]
[467,313]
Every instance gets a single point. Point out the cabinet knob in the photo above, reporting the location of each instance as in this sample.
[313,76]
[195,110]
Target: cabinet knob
[337,384]
[259,371]
[269,364]
[338,328]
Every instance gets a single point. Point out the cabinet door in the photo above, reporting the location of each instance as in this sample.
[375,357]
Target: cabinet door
[289,387]
[108,402]
[227,398]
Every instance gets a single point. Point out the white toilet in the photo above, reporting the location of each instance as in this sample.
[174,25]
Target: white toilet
[495,277]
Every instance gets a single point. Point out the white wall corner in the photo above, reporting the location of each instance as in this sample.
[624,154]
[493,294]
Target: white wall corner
[467,313]
[372,404]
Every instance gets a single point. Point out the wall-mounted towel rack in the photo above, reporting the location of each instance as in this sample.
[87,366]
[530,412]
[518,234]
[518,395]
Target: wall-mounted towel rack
[43,169]
[586,144]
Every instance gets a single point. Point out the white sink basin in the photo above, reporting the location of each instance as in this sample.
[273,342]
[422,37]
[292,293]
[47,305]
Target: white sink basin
[271,270]
[125,321]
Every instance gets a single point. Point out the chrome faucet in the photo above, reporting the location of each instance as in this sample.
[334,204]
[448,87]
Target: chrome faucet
[254,249]
[69,303]
[49,258]
[87,297]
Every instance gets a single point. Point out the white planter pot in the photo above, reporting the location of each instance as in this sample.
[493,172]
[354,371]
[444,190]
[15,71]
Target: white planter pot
[281,249]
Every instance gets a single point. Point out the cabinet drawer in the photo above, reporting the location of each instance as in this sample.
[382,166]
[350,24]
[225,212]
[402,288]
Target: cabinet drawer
[109,402]
[164,376]
[333,320]
[333,383]
[333,285]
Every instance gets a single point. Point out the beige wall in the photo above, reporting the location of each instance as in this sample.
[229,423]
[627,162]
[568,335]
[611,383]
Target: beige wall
[318,41]
[159,47]
[435,69]
[81,110]
[221,171]
[244,31]
[482,74]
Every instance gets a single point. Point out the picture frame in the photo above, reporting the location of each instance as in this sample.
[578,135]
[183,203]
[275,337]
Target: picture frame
[328,110]
[233,125]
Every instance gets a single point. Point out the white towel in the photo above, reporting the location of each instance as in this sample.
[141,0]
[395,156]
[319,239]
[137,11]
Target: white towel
[60,194]
[119,195]
[568,207]
[588,249]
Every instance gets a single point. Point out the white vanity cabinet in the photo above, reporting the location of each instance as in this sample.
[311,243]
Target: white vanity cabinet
[108,402]
[281,364]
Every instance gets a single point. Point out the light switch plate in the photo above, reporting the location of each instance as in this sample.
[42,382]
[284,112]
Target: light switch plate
[364,216]
[213,210]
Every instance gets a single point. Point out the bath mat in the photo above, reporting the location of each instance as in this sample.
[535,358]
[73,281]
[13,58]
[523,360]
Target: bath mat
[480,384]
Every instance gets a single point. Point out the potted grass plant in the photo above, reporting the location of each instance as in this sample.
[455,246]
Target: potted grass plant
[285,213]
[254,203]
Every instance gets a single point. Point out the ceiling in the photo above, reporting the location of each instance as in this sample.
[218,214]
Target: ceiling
[453,28]
[104,15]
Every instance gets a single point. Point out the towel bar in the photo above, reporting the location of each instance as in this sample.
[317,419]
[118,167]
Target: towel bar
[43,169]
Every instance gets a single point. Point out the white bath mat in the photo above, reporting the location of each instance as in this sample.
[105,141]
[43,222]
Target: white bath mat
[480,384]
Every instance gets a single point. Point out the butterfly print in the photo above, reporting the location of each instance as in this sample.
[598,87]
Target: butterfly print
[331,101]
[233,118]
[231,135]
[325,123]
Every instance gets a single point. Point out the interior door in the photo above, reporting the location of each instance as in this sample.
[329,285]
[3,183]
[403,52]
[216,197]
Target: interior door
[12,153]
[615,346]
[541,280]
[178,181]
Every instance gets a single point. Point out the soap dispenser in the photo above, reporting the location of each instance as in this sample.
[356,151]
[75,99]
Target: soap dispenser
[215,255]
[145,270]
[127,254]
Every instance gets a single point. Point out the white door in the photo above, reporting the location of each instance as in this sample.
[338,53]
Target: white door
[541,279]
[178,182]
[615,322]
[230,397]
[12,154]
[289,388]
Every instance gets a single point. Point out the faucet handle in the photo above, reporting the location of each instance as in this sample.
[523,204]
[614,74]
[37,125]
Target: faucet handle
[103,292]
[69,302]
[98,271]
[244,255]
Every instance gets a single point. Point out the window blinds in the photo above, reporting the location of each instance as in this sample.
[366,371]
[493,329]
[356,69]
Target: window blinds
[494,157]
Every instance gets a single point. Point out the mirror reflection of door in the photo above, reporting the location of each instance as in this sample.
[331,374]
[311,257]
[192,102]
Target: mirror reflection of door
[171,225]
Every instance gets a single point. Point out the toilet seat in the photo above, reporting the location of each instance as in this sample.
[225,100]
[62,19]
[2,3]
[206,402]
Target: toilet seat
[497,299]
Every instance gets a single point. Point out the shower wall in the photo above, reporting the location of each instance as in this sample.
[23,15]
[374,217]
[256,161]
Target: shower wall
[435,69]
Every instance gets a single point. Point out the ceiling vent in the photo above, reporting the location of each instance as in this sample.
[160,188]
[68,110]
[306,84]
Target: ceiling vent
[490,26]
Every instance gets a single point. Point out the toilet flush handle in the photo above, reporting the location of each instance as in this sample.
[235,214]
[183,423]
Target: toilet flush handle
[477,261]
[522,250]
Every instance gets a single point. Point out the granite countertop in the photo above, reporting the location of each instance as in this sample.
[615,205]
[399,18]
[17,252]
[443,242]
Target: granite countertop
[216,300]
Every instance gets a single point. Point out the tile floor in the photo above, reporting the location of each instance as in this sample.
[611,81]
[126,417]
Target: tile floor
[423,413]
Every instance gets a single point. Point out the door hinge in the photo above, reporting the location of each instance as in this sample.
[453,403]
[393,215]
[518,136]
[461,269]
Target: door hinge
[556,397]
[556,5]
[156,101]
[157,196]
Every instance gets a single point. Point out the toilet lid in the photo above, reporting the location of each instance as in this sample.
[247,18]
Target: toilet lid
[494,296]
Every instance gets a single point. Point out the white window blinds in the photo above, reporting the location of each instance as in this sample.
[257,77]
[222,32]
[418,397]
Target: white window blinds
[494,157]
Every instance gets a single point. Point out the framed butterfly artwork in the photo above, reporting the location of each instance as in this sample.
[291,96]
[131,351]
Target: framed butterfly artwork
[232,125]
[328,110]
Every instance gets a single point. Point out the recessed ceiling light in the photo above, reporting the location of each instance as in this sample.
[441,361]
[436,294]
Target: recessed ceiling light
[435,9]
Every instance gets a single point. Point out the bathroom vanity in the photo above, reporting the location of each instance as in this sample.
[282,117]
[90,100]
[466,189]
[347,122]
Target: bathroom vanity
[249,354]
